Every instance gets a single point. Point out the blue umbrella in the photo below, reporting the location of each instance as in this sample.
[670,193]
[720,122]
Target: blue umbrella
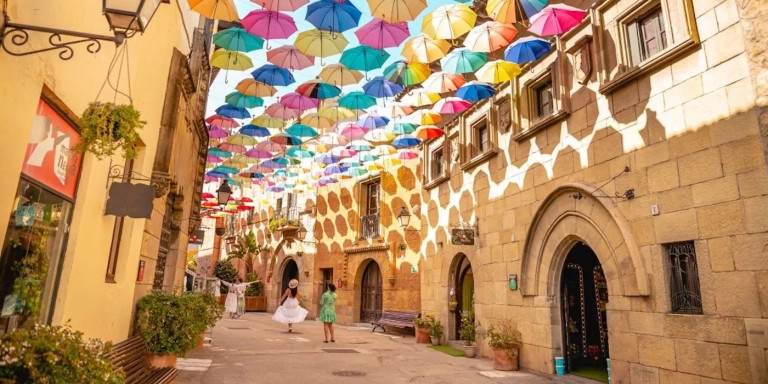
[273,75]
[405,141]
[475,91]
[380,87]
[357,100]
[233,112]
[372,121]
[327,158]
[334,168]
[254,130]
[333,16]
[219,175]
[527,49]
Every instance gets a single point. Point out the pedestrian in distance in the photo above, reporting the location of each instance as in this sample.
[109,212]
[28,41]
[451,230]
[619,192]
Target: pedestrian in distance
[290,312]
[235,302]
[328,311]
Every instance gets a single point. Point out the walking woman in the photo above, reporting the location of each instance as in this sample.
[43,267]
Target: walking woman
[290,312]
[328,311]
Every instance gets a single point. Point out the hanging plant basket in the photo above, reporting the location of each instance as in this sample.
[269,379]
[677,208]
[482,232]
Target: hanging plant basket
[107,127]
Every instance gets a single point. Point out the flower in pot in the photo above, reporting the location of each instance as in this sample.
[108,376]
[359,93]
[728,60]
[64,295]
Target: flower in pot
[422,325]
[453,303]
[107,127]
[468,331]
[436,332]
[505,340]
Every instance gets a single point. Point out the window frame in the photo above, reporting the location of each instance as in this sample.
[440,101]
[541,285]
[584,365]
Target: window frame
[437,163]
[690,286]
[472,153]
[363,202]
[531,121]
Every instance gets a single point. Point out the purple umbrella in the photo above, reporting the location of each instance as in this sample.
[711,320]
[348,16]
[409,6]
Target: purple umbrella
[215,132]
[379,87]
[333,169]
[379,34]
[269,25]
[372,121]
[327,158]
[258,154]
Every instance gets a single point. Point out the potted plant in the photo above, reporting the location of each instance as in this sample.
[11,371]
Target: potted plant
[505,340]
[59,354]
[436,332]
[422,325]
[452,303]
[254,294]
[224,270]
[32,270]
[107,127]
[468,334]
[248,249]
[206,312]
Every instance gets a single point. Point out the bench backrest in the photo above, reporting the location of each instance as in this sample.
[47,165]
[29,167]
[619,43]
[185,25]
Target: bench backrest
[129,355]
[399,316]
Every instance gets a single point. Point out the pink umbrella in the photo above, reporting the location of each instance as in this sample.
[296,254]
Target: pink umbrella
[259,169]
[298,102]
[342,152]
[258,154]
[281,5]
[556,19]
[269,146]
[379,34]
[269,24]
[222,121]
[407,155]
[353,131]
[281,111]
[211,179]
[451,105]
[289,57]
[213,159]
[231,147]
[216,132]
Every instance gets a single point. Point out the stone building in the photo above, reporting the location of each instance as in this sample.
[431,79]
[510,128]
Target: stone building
[616,191]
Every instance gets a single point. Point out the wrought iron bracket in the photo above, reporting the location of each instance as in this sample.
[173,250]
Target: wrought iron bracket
[14,40]
[161,181]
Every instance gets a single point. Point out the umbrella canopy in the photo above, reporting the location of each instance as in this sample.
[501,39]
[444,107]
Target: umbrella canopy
[379,87]
[363,57]
[505,11]
[258,154]
[420,97]
[237,39]
[380,34]
[442,82]
[340,75]
[233,112]
[289,57]
[379,136]
[405,73]
[273,75]
[393,11]
[224,169]
[490,36]
[383,150]
[301,130]
[320,43]
[221,121]
[498,71]
[372,121]
[475,91]
[254,130]
[424,117]
[285,139]
[332,15]
[298,102]
[232,147]
[403,127]
[251,87]
[426,132]
[316,121]
[240,100]
[280,111]
[218,152]
[463,61]
[527,49]
[449,21]
[357,100]
[241,139]
[353,131]
[282,5]
[450,105]
[407,155]
[268,121]
[556,19]
[269,24]
[318,89]
[336,113]
[230,60]
[360,145]
[299,153]
[405,141]
[424,49]
[327,158]
[216,132]
[269,146]
[394,109]
[215,9]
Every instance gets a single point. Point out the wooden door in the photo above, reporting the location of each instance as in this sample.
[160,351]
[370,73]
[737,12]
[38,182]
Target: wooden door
[370,306]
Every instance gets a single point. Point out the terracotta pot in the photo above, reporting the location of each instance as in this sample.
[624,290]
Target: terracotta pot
[256,303]
[452,306]
[505,359]
[222,299]
[422,335]
[435,340]
[162,361]
[201,340]
[470,350]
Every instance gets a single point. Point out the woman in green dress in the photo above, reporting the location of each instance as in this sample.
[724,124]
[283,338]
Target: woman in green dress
[328,311]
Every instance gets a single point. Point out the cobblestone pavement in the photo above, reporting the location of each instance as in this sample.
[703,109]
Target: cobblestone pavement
[254,349]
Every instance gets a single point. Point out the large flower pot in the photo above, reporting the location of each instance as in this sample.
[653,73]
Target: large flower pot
[256,303]
[435,340]
[470,350]
[505,359]
[162,361]
[422,335]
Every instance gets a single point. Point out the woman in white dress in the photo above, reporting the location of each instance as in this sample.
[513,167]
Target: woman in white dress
[290,312]
[235,303]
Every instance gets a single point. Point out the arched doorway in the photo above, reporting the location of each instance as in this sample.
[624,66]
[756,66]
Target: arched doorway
[371,293]
[464,289]
[584,295]
[290,271]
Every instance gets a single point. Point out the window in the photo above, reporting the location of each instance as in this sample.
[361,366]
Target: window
[481,139]
[372,198]
[684,278]
[369,220]
[647,36]
[544,100]
[437,162]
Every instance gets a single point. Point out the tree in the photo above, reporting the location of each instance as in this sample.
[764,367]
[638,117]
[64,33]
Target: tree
[224,270]
[247,249]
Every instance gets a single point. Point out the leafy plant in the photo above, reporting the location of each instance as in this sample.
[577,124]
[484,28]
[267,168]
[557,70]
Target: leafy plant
[504,335]
[32,270]
[255,289]
[276,223]
[107,127]
[424,321]
[248,249]
[224,270]
[436,329]
[468,330]
[207,309]
[55,354]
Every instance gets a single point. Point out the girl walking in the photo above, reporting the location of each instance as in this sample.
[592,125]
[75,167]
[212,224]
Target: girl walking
[290,312]
[328,311]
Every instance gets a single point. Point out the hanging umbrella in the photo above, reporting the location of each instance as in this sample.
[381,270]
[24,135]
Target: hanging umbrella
[490,36]
[357,100]
[339,75]
[269,24]
[214,9]
[426,132]
[215,175]
[405,141]
[258,168]
[394,109]
[449,21]
[556,19]
[424,49]
[301,130]
[393,11]
[360,145]
[475,91]
[327,158]
[405,73]
[318,90]
[255,88]
[233,112]
[450,105]
[334,169]
[231,147]
[285,139]
[424,117]
[497,71]
[270,146]
[281,5]
[332,15]
[379,87]
[230,60]
[379,136]
[215,132]
[275,188]
[258,154]
[221,121]
[505,11]
[420,97]
[372,121]
[268,121]
[463,61]
[237,99]
[298,102]
[289,57]
[384,150]
[218,152]
[237,39]
[356,171]
[224,169]
[443,82]
[353,131]
[273,75]
[336,113]
[254,130]
[320,43]
[527,49]
[407,155]
[212,160]
[316,121]
[363,57]
[299,153]
[403,127]
[241,139]
[282,112]
[380,34]
[343,152]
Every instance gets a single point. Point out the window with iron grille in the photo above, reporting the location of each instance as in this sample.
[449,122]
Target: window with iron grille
[369,221]
[437,163]
[684,278]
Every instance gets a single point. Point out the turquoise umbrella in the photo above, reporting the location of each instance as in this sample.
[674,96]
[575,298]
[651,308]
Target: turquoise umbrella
[214,151]
[299,153]
[363,58]
[463,61]
[225,169]
[301,130]
[237,99]
[357,100]
[237,39]
[403,128]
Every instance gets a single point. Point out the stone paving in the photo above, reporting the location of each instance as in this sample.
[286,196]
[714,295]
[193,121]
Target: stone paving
[254,349]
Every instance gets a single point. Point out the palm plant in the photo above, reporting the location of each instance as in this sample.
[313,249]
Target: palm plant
[247,248]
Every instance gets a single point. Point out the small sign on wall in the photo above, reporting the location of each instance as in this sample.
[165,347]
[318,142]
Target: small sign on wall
[512,282]
[462,236]
[414,269]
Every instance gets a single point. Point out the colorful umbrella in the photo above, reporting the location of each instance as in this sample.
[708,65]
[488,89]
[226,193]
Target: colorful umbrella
[420,97]
[498,71]
[218,152]
[336,113]
[237,99]
[394,109]
[298,102]
[339,75]
[316,121]
[270,146]
[527,49]
[403,127]
[254,130]
[299,153]
[241,139]
[258,154]
[320,43]
[408,155]
[490,36]
[424,117]
[405,141]
[424,49]
[405,73]
[281,5]
[231,147]
[252,87]
[301,130]
[443,82]
[379,87]
[224,169]
[318,90]
[280,111]
[327,158]
[556,19]
[353,131]
[393,11]
[372,121]
[237,39]
[475,91]
[356,171]
[289,57]
[384,150]
[273,75]
[215,175]
[363,57]
[268,121]
[215,132]
[233,112]
[230,60]
[449,21]
[214,9]
[380,34]
[463,61]
[332,15]
[505,11]
[360,145]
[221,121]
[379,136]
[450,105]
[269,24]
[285,139]
[357,100]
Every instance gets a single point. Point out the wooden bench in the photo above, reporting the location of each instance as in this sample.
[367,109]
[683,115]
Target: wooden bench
[394,319]
[131,357]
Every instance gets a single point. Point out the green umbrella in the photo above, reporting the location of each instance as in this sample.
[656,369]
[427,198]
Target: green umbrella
[299,153]
[363,58]
[463,61]
[301,130]
[405,73]
[225,169]
[237,99]
[237,39]
[357,100]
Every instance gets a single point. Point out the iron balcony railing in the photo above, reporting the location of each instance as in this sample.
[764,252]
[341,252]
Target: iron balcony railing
[290,214]
[369,226]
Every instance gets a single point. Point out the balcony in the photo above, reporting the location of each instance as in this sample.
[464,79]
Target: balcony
[286,218]
[369,226]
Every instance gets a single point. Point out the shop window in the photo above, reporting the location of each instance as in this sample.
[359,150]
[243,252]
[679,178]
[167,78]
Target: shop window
[684,278]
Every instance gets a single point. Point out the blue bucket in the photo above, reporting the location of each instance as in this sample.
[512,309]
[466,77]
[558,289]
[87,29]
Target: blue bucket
[609,370]
[560,366]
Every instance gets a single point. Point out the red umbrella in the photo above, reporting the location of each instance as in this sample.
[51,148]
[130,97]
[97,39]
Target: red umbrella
[429,132]
[222,121]
[208,196]
[246,199]
[244,208]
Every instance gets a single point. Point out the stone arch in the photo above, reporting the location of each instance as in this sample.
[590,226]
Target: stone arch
[576,212]
[459,264]
[358,284]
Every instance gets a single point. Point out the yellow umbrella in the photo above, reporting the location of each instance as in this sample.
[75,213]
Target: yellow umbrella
[424,117]
[268,121]
[242,139]
[252,87]
[449,21]
[339,75]
[389,162]
[424,49]
[497,71]
[235,61]
[316,42]
[336,113]
[393,11]
[316,121]
[215,9]
[420,97]
[503,11]
[379,136]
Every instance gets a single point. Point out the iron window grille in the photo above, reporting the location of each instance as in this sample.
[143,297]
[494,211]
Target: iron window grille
[685,290]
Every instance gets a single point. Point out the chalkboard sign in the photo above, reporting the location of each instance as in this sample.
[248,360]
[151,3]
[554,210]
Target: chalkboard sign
[462,236]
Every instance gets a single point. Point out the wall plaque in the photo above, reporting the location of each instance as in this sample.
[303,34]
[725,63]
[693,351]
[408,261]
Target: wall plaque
[462,236]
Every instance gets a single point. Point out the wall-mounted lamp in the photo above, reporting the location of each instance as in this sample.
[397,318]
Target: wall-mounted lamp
[301,233]
[440,244]
[339,283]
[404,218]
[224,192]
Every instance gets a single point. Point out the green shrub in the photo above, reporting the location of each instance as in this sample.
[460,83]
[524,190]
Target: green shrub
[468,330]
[255,289]
[504,335]
[224,270]
[55,354]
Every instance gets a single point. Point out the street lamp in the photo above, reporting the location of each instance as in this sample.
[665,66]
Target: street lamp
[404,218]
[223,192]
[301,233]
[129,15]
